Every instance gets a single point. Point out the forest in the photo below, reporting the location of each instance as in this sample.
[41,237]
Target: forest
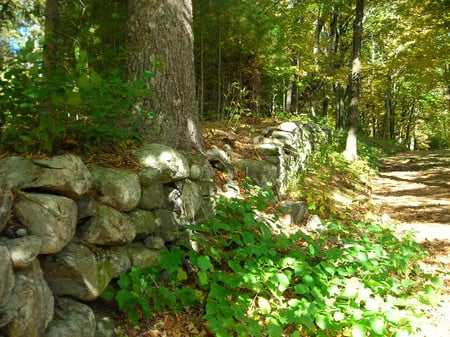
[100,77]
[64,64]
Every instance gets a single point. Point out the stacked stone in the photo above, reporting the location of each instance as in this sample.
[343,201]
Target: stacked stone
[67,229]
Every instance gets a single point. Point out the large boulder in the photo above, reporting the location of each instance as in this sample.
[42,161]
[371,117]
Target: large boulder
[191,199]
[108,227]
[162,164]
[19,172]
[6,275]
[144,222]
[72,319]
[200,167]
[119,189]
[262,173]
[65,174]
[53,218]
[23,250]
[152,196]
[141,256]
[76,272]
[167,224]
[31,306]
[221,160]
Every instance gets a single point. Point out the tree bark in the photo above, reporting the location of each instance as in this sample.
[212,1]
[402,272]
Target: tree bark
[50,30]
[351,151]
[160,39]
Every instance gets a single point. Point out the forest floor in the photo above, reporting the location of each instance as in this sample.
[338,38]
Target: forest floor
[413,189]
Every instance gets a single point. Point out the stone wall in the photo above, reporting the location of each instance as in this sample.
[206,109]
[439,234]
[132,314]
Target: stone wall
[67,228]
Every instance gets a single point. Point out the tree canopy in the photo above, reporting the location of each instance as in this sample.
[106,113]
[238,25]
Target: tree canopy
[252,58]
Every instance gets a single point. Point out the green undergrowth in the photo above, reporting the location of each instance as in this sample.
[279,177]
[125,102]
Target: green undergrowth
[334,187]
[356,279]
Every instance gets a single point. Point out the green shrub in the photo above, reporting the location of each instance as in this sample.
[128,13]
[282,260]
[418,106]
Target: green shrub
[358,280]
[76,110]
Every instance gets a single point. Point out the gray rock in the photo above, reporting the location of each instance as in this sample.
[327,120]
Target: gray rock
[65,174]
[191,199]
[285,138]
[72,319]
[288,126]
[6,200]
[141,256]
[119,259]
[154,242]
[6,277]
[23,250]
[75,272]
[221,160]
[31,306]
[108,227]
[20,172]
[207,188]
[163,164]
[262,173]
[86,208]
[269,149]
[167,224]
[296,212]
[119,189]
[315,224]
[173,195]
[152,196]
[200,168]
[105,326]
[143,222]
[52,218]
[104,318]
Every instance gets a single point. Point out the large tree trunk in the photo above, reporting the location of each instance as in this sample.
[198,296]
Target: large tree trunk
[351,145]
[160,39]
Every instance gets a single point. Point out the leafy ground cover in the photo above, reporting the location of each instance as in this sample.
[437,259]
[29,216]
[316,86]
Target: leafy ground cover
[344,281]
[353,278]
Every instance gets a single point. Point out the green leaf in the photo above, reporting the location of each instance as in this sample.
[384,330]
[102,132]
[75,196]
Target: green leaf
[248,238]
[322,322]
[274,330]
[202,278]
[377,325]
[181,275]
[125,299]
[73,98]
[281,280]
[437,281]
[204,263]
[83,82]
[249,219]
[124,281]
[145,306]
[301,289]
[254,328]
[359,330]
[109,293]
[96,79]
[133,316]
[333,253]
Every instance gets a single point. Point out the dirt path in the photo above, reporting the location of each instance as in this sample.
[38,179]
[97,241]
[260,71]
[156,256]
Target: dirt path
[413,189]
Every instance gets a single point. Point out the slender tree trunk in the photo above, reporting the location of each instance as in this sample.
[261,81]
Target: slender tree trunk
[351,152]
[50,30]
[339,105]
[160,39]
